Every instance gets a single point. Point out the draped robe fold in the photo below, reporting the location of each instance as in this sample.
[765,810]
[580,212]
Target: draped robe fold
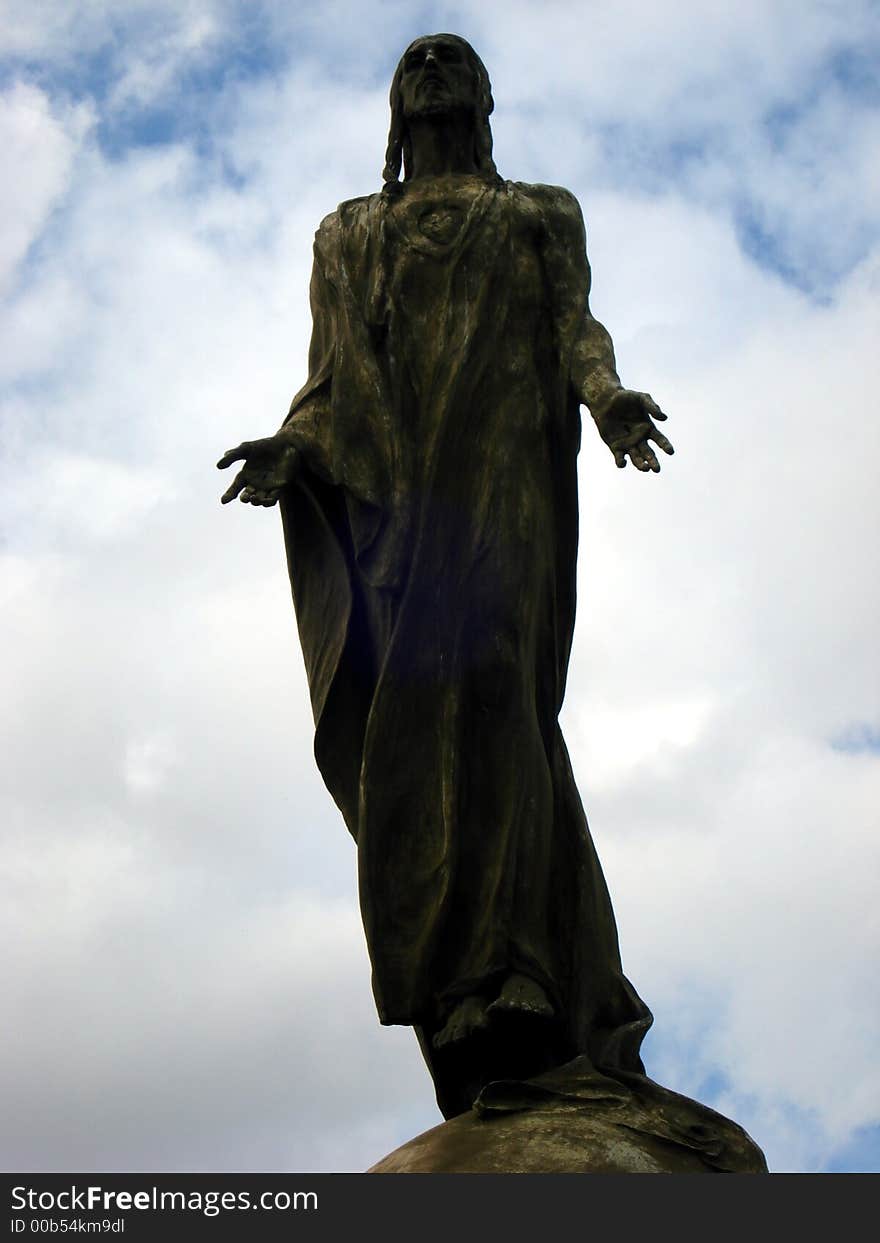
[432,543]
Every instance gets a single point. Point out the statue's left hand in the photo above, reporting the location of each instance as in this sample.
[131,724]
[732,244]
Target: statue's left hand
[626,424]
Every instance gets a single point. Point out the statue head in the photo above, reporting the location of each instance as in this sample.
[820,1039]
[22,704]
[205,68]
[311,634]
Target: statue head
[436,76]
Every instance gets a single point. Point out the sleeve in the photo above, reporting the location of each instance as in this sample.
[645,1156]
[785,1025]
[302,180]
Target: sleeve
[309,422]
[586,348]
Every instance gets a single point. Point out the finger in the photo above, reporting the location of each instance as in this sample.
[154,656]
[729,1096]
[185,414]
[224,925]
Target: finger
[235,455]
[619,457]
[247,496]
[233,490]
[650,457]
[637,457]
[656,412]
[660,439]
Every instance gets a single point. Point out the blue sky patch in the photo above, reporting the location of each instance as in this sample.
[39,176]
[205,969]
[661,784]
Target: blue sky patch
[861,1155]
[857,739]
[855,69]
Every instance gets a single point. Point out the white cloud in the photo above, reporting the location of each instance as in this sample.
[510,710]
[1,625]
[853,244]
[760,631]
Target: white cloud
[39,145]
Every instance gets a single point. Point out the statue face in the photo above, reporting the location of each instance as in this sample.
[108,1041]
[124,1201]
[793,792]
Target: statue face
[437,79]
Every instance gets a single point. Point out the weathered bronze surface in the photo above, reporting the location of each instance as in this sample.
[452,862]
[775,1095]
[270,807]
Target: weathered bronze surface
[427,479]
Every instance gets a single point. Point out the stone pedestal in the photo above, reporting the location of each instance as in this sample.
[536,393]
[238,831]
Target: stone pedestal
[574,1120]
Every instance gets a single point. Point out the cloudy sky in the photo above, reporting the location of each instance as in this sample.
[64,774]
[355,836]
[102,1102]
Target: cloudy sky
[185,979]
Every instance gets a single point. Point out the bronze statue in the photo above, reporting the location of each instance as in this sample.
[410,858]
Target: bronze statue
[427,480]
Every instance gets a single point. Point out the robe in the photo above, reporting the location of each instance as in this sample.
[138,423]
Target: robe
[431,538]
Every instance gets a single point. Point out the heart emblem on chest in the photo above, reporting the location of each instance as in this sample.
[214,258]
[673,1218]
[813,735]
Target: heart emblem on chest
[441,224]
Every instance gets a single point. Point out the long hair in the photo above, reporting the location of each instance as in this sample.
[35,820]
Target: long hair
[399,147]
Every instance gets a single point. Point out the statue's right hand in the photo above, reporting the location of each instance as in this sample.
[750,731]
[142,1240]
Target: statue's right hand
[269,465]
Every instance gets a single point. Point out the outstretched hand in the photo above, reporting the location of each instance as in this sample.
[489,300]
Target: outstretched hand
[269,465]
[626,424]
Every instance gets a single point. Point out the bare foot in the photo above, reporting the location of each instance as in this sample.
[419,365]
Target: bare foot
[522,995]
[467,1017]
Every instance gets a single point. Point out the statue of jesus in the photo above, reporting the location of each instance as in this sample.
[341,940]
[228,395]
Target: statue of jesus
[426,474]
